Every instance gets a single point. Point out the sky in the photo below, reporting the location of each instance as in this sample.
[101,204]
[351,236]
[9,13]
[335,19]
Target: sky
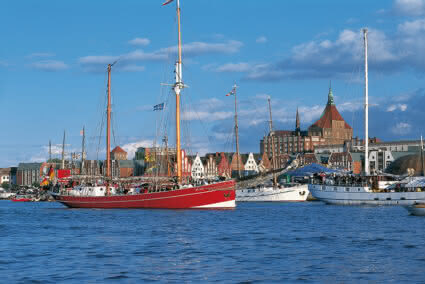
[54,57]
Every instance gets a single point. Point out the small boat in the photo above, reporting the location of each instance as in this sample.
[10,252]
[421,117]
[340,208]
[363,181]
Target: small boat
[21,198]
[417,209]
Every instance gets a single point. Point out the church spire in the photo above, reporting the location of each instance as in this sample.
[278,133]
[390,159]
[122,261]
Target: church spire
[330,95]
[297,122]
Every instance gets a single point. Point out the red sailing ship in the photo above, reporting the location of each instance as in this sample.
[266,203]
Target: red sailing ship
[218,195]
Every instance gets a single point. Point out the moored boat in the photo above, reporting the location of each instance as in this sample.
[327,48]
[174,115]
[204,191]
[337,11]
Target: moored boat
[21,198]
[367,189]
[417,209]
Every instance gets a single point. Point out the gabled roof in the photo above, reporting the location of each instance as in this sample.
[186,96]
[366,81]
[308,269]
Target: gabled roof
[330,113]
[118,149]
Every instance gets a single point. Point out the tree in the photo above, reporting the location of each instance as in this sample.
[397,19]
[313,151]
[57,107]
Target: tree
[5,185]
[36,184]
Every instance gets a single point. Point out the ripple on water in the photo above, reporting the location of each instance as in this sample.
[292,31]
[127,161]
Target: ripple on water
[280,243]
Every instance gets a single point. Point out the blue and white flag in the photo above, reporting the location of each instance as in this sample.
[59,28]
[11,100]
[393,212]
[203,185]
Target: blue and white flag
[158,106]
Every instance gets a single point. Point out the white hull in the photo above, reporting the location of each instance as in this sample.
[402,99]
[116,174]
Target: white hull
[296,193]
[6,195]
[225,204]
[352,195]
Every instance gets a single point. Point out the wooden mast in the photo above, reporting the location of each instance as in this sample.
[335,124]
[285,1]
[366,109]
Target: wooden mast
[108,132]
[422,158]
[83,157]
[237,130]
[272,141]
[366,106]
[178,86]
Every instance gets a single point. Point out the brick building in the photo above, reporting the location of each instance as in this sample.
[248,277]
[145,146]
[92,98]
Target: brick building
[118,154]
[331,126]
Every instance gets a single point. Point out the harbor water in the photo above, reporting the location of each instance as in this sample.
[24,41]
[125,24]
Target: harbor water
[257,242]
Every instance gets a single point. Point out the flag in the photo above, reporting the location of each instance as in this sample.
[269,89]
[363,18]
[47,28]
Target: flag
[158,106]
[51,173]
[44,182]
[81,132]
[232,92]
[167,2]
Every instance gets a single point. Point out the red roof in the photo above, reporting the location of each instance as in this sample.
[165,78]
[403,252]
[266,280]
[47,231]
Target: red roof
[330,113]
[118,149]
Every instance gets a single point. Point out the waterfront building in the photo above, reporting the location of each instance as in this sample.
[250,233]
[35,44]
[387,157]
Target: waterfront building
[210,166]
[28,173]
[331,126]
[250,165]
[5,175]
[118,154]
[198,171]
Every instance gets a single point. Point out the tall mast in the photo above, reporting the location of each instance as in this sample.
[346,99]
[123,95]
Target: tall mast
[50,151]
[108,127]
[83,150]
[272,140]
[237,130]
[63,152]
[178,86]
[422,157]
[366,106]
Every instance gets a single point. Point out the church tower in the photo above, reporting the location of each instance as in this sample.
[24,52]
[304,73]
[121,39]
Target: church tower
[331,125]
[297,124]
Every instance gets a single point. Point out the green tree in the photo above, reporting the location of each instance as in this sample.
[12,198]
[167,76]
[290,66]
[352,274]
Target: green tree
[5,185]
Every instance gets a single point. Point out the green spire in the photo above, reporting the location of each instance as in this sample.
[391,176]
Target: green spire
[330,95]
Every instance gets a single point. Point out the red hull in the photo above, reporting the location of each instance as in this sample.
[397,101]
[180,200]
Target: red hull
[217,195]
[21,200]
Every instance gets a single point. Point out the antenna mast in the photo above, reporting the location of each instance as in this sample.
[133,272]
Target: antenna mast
[366,106]
[237,130]
[83,153]
[272,141]
[422,157]
[50,151]
[63,152]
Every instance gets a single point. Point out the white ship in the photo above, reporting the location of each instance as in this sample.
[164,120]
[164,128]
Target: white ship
[367,190]
[282,193]
[361,194]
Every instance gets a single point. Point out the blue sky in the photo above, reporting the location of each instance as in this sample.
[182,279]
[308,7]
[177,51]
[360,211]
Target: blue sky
[54,54]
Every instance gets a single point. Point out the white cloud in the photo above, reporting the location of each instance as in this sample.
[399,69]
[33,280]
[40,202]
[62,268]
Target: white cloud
[139,41]
[199,48]
[206,115]
[49,65]
[401,107]
[401,128]
[409,7]
[131,148]
[97,63]
[261,39]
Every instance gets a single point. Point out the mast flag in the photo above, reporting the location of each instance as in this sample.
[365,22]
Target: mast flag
[158,106]
[167,2]
[232,92]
